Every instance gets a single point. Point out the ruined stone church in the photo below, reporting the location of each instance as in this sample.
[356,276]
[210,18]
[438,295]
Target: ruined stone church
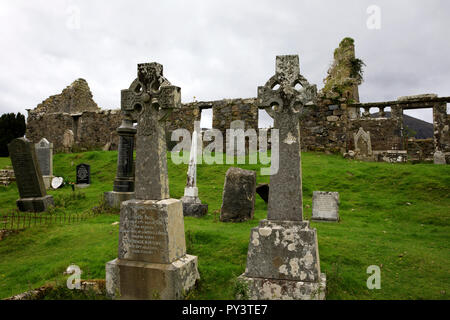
[338,123]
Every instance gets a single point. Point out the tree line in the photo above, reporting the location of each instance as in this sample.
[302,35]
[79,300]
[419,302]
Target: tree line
[11,126]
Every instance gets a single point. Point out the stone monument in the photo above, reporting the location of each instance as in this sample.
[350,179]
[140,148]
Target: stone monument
[283,257]
[68,140]
[44,153]
[83,175]
[325,206]
[33,196]
[363,144]
[152,262]
[124,183]
[238,199]
[192,205]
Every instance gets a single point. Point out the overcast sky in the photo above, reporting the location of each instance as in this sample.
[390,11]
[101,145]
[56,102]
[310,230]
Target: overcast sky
[217,49]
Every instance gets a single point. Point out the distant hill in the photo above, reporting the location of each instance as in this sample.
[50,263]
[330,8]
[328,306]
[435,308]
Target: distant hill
[423,129]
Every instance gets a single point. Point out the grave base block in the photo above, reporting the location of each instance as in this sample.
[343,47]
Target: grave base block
[137,280]
[283,262]
[274,289]
[35,204]
[318,219]
[113,199]
[193,207]
[47,181]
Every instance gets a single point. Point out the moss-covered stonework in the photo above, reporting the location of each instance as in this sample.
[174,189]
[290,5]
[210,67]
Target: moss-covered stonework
[73,99]
[344,75]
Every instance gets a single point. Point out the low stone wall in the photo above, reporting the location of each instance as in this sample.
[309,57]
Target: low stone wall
[420,149]
[385,133]
[7,176]
[323,127]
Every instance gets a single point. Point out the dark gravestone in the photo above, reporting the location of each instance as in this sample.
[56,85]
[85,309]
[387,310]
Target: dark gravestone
[83,175]
[124,183]
[263,191]
[33,196]
[238,202]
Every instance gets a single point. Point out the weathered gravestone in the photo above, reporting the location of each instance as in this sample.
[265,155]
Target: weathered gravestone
[33,196]
[44,154]
[363,144]
[238,199]
[83,175]
[68,140]
[325,206]
[283,257]
[439,158]
[152,261]
[192,205]
[124,183]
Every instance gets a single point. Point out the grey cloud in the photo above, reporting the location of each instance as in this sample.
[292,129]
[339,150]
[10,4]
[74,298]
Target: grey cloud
[216,49]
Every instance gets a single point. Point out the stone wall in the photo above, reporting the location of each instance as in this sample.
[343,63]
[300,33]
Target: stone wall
[420,149]
[73,99]
[92,129]
[228,110]
[385,133]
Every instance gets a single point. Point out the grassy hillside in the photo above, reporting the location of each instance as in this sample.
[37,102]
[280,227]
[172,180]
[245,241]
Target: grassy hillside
[392,215]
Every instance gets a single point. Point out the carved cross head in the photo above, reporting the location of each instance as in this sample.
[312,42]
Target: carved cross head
[150,94]
[286,91]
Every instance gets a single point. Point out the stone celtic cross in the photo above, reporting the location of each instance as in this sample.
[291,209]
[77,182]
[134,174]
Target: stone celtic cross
[285,104]
[149,101]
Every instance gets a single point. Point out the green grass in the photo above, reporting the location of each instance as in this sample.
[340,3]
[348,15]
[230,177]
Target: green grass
[392,215]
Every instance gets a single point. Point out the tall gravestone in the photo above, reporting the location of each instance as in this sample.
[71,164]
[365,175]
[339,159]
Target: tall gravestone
[44,153]
[124,183]
[33,196]
[283,257]
[192,205]
[152,262]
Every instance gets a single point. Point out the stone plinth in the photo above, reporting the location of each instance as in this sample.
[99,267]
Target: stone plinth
[38,204]
[113,199]
[192,205]
[325,206]
[152,261]
[131,280]
[274,289]
[283,262]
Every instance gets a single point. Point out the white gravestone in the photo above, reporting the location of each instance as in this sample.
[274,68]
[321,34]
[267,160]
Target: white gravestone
[325,206]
